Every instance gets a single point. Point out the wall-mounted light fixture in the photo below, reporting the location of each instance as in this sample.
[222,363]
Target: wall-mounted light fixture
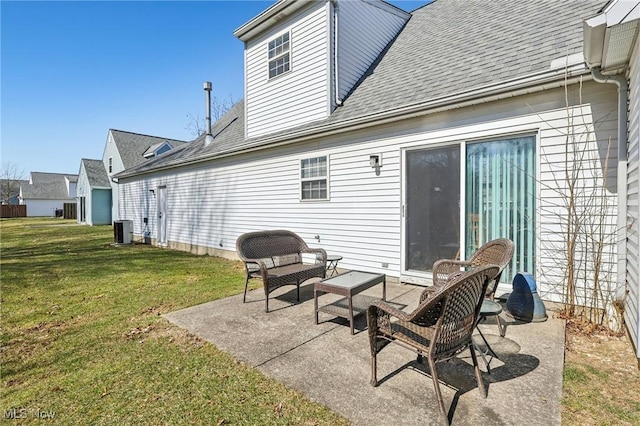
[375,160]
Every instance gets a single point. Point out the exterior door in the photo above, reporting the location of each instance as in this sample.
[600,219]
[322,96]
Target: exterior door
[463,195]
[432,207]
[162,215]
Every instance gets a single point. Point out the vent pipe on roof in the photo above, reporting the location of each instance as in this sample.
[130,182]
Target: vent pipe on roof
[209,137]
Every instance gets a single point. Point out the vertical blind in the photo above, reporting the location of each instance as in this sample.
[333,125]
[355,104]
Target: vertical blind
[500,198]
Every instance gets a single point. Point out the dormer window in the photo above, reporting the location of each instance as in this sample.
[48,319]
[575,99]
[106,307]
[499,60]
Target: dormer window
[279,57]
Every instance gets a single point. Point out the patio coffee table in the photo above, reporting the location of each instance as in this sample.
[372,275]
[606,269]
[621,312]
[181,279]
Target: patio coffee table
[349,285]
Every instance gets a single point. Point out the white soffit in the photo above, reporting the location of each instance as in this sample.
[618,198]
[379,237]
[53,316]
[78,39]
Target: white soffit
[618,44]
[609,36]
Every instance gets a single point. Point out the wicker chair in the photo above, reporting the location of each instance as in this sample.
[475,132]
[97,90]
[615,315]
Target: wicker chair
[438,329]
[497,252]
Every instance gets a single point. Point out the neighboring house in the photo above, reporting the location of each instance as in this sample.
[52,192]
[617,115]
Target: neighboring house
[10,189]
[124,150]
[396,139]
[48,192]
[93,193]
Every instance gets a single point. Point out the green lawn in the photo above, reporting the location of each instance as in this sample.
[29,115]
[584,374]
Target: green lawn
[83,340]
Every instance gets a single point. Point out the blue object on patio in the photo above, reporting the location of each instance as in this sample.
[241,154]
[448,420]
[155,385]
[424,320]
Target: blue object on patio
[524,303]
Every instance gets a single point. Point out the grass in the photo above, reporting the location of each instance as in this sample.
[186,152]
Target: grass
[83,338]
[601,379]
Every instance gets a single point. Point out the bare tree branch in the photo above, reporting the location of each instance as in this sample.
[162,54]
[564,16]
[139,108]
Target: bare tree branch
[197,123]
[10,176]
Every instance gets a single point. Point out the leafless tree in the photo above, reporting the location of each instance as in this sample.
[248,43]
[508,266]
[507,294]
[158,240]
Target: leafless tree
[584,210]
[197,124]
[10,176]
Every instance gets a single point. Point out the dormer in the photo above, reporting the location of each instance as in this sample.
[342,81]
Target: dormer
[157,149]
[302,58]
[71,183]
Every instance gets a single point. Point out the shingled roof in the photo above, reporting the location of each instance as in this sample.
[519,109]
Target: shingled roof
[455,46]
[132,146]
[48,186]
[96,173]
[447,48]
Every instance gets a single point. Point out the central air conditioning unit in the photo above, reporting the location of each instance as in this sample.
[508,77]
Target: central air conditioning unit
[123,231]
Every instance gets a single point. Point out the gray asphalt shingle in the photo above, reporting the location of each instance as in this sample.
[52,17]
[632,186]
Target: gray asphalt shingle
[48,186]
[132,146]
[448,47]
[96,173]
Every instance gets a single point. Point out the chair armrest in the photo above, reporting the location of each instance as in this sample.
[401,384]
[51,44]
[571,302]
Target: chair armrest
[261,266]
[321,255]
[382,308]
[428,292]
[447,269]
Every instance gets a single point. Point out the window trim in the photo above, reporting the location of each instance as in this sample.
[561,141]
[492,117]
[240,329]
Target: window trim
[301,180]
[283,54]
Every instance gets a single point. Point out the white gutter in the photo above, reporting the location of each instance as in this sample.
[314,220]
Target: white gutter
[532,83]
[270,17]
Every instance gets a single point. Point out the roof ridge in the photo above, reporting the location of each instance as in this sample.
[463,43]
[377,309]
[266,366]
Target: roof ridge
[149,136]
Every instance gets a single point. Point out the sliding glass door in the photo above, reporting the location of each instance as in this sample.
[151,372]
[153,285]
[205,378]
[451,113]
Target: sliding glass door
[499,202]
[500,198]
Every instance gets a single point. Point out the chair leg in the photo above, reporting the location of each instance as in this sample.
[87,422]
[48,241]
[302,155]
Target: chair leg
[298,291]
[246,285]
[266,299]
[436,385]
[481,387]
[374,370]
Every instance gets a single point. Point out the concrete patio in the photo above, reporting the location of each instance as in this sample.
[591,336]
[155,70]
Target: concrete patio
[332,367]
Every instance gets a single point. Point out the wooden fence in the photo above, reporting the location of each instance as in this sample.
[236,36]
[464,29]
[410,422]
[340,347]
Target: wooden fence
[70,211]
[14,210]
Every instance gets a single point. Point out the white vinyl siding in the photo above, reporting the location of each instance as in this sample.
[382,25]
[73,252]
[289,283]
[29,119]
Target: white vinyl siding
[632,308]
[213,203]
[44,208]
[83,190]
[597,136]
[111,155]
[364,30]
[295,97]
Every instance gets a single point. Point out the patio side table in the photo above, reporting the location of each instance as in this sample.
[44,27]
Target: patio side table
[332,264]
[349,285]
[490,308]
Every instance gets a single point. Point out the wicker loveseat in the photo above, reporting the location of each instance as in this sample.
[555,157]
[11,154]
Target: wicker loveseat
[275,257]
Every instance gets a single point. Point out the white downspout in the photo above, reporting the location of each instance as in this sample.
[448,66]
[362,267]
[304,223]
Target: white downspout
[336,67]
[621,270]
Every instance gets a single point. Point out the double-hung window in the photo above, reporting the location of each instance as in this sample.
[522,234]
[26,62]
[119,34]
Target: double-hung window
[279,55]
[314,178]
